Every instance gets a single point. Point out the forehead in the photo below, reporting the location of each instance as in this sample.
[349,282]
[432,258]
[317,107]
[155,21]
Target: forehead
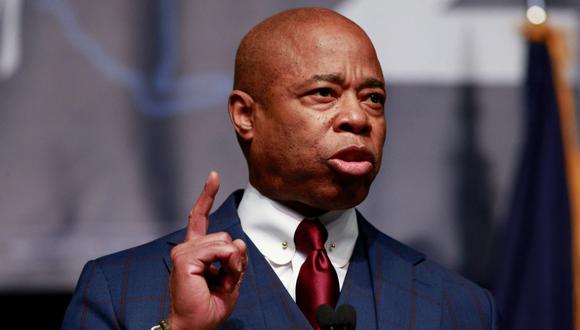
[327,49]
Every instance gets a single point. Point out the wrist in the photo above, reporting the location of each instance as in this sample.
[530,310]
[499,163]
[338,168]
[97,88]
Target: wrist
[179,323]
[173,324]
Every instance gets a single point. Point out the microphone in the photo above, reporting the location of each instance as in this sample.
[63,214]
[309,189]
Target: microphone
[325,316]
[347,316]
[343,319]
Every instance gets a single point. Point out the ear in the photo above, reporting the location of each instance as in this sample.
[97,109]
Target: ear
[241,107]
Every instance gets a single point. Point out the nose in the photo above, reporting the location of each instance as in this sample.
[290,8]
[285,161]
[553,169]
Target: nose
[352,118]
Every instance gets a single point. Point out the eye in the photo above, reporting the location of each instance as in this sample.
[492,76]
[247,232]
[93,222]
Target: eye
[324,92]
[321,97]
[376,98]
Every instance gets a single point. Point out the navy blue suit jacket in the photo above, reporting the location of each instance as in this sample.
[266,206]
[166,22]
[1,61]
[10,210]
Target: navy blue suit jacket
[390,285]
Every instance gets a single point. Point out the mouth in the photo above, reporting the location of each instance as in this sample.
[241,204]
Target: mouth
[352,160]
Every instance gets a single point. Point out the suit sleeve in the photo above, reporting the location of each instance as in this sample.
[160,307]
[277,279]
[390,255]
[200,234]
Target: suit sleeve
[91,306]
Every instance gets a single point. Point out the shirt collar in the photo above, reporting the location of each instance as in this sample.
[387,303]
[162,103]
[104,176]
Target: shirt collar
[271,226]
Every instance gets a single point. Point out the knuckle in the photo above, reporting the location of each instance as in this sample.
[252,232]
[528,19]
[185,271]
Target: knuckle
[178,250]
[196,214]
[240,244]
[174,252]
[224,236]
[232,250]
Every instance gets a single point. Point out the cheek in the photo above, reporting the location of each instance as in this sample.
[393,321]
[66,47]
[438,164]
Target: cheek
[383,135]
[296,135]
[380,129]
[310,134]
[299,152]
[303,126]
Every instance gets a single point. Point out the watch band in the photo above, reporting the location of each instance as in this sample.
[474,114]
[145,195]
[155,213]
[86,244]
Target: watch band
[163,325]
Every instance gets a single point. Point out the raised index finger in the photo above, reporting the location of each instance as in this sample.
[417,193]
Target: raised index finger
[198,216]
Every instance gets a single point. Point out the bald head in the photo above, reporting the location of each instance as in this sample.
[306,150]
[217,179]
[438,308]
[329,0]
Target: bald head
[273,46]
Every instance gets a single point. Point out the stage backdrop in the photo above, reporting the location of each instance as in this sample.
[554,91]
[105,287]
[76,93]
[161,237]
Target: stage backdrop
[113,112]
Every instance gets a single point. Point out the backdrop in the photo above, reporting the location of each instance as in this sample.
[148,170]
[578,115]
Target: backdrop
[113,112]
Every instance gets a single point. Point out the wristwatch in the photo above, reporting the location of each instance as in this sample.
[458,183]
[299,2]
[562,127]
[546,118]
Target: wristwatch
[163,325]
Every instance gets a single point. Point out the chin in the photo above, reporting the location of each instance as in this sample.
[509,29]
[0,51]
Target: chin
[341,197]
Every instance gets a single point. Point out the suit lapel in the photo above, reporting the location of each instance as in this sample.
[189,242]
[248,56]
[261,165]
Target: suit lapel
[357,288]
[405,296]
[279,311]
[264,303]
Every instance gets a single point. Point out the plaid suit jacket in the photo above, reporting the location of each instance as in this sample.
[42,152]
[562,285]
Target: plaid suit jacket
[390,285]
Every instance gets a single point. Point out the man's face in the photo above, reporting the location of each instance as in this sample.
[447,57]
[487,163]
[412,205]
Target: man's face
[319,130]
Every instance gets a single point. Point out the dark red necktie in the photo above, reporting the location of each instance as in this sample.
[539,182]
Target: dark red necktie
[317,282]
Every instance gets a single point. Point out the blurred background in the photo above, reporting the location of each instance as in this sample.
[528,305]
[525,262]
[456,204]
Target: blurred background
[113,112]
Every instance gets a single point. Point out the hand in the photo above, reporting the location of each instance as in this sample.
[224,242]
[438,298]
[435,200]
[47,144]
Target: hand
[203,296]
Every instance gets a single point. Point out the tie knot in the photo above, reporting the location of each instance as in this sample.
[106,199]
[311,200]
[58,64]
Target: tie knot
[310,235]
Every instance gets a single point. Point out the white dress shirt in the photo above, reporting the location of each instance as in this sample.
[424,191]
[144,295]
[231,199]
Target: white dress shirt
[271,226]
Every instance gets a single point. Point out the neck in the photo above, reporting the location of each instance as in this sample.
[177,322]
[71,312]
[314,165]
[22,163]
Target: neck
[296,206]
[303,209]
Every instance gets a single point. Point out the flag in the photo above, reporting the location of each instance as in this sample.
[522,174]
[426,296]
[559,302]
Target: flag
[534,286]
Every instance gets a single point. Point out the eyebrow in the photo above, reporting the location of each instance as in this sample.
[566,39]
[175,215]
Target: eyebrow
[338,78]
[372,82]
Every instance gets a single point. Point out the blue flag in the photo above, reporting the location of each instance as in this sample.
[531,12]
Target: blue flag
[533,286]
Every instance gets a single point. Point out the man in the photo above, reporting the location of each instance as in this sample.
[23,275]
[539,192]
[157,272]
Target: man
[308,111]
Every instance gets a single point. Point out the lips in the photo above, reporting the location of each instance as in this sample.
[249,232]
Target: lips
[352,160]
